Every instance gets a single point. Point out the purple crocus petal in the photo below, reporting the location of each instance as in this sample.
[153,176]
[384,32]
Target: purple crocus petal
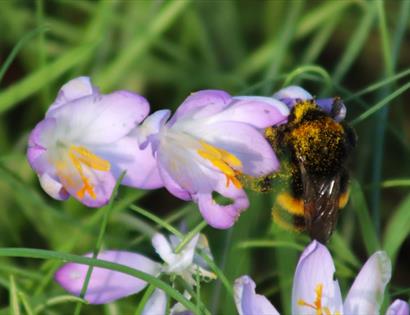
[258,111]
[184,171]
[157,303]
[171,185]
[248,302]
[53,187]
[106,285]
[328,105]
[243,141]
[398,307]
[366,293]
[289,95]
[150,127]
[72,90]
[37,143]
[220,216]
[101,119]
[208,101]
[140,165]
[315,268]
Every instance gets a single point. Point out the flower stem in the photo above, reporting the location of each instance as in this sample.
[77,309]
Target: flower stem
[157,220]
[98,245]
[188,237]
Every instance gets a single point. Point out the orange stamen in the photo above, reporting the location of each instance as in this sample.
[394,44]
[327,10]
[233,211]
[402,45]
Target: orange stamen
[224,161]
[80,156]
[317,304]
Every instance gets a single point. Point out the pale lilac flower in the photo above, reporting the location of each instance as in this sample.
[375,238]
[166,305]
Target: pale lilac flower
[82,145]
[398,307]
[209,143]
[157,303]
[106,285]
[292,94]
[316,292]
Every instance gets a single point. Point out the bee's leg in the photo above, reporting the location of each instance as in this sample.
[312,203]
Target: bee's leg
[288,213]
[344,189]
[343,199]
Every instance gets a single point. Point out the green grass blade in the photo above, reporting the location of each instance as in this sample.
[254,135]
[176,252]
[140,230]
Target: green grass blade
[397,229]
[188,237]
[20,44]
[62,299]
[400,182]
[157,220]
[385,101]
[367,228]
[140,44]
[26,305]
[14,300]
[269,244]
[19,91]
[357,42]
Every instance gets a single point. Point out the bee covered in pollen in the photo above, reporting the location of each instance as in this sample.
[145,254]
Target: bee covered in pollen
[313,146]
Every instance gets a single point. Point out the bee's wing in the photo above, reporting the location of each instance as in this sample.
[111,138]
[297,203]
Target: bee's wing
[321,202]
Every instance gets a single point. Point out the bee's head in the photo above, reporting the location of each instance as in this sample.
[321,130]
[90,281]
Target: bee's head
[301,109]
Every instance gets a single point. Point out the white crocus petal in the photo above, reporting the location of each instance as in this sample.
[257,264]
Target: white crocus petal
[366,293]
[151,126]
[163,248]
[179,309]
[313,281]
[53,187]
[157,304]
[175,262]
[292,92]
[182,263]
[248,302]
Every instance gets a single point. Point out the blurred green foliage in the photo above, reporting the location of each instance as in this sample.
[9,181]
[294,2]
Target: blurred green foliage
[165,50]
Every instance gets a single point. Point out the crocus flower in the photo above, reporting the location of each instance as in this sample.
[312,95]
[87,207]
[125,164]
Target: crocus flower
[398,307]
[209,143]
[316,292]
[292,94]
[82,145]
[107,286]
[157,305]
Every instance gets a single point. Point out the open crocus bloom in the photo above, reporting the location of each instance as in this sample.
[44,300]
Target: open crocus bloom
[316,292]
[107,286]
[208,144]
[82,145]
[292,94]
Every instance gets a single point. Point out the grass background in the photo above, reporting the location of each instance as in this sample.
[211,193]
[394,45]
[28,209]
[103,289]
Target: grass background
[164,50]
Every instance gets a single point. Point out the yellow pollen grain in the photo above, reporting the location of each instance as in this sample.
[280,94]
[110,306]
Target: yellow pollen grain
[302,108]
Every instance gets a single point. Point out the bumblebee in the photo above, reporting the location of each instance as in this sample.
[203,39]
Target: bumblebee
[314,147]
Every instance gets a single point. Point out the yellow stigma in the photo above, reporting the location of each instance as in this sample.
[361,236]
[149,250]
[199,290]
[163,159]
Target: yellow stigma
[226,162]
[80,156]
[317,304]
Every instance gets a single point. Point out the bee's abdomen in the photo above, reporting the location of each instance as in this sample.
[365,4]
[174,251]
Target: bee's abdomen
[319,145]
